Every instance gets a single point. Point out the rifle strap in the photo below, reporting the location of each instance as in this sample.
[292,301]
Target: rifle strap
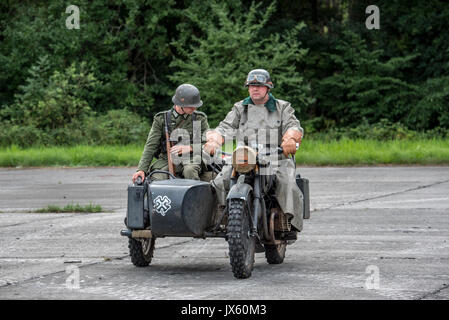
[168,120]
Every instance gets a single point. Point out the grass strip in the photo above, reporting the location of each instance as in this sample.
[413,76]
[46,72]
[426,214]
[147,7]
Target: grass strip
[90,208]
[373,152]
[95,156]
[312,152]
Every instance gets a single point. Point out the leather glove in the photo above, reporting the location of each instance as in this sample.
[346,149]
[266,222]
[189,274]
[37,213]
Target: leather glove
[214,141]
[289,141]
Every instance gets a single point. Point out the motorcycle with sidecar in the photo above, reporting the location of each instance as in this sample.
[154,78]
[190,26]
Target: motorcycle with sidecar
[251,221]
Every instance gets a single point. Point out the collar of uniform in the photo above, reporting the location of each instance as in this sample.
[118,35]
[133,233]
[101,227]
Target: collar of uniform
[176,114]
[270,104]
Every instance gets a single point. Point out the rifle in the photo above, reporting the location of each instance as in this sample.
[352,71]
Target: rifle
[168,144]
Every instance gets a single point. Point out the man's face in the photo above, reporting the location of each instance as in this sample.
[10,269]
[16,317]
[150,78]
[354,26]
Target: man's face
[257,92]
[188,110]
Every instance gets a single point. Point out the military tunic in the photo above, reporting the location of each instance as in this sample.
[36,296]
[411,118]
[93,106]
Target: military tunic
[181,132]
[264,125]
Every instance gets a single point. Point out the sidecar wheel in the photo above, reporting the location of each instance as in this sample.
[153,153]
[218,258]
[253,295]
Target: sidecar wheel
[275,254]
[241,243]
[141,251]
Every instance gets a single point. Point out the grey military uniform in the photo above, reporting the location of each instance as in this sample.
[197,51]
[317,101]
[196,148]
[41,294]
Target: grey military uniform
[264,125]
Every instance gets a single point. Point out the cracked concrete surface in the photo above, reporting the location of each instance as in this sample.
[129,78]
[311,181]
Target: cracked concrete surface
[393,220]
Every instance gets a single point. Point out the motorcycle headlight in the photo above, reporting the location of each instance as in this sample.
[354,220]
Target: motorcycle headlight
[244,159]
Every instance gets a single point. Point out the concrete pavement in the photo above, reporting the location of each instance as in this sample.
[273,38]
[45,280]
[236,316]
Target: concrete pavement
[375,233]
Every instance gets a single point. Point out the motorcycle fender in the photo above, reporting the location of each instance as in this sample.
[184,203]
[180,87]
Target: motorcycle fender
[239,191]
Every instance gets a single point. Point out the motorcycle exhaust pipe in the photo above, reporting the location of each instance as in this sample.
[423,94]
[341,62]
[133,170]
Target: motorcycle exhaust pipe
[265,222]
[137,234]
[126,233]
[258,207]
[256,203]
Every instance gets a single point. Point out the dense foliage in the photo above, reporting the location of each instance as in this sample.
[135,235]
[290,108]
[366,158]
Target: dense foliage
[102,83]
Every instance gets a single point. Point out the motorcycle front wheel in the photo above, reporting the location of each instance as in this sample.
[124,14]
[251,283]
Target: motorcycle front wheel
[241,243]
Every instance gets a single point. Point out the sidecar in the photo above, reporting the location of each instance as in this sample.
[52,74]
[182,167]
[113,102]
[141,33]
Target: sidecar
[174,207]
[180,207]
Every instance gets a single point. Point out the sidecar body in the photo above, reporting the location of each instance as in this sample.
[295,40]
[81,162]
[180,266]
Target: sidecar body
[175,207]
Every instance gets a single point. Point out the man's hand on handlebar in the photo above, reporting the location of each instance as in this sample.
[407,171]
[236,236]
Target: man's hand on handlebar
[214,141]
[291,141]
[211,146]
[289,147]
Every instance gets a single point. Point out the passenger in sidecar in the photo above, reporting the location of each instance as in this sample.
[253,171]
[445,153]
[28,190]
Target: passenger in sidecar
[174,135]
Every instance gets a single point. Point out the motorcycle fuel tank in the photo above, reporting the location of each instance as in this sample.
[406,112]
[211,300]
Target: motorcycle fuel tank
[180,207]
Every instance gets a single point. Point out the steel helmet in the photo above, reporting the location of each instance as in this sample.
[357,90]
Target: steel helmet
[187,95]
[259,77]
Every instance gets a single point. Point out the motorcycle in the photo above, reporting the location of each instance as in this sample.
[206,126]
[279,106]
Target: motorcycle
[251,222]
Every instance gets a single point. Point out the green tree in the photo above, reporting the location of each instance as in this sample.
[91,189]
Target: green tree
[431,111]
[234,42]
[56,107]
[416,27]
[125,43]
[363,86]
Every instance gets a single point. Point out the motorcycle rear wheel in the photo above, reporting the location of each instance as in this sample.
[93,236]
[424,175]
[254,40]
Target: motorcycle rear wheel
[141,251]
[275,254]
[241,243]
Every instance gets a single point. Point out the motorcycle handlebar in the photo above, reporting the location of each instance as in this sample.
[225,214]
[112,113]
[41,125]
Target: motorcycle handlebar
[222,152]
[279,150]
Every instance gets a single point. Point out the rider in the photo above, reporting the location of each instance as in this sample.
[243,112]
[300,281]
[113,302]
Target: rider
[183,119]
[262,112]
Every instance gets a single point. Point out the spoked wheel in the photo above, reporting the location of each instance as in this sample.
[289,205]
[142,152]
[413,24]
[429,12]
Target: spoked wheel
[141,251]
[275,254]
[241,243]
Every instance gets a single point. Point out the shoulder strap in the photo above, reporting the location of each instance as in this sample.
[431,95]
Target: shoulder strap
[193,119]
[167,118]
[281,126]
[167,115]
[244,115]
